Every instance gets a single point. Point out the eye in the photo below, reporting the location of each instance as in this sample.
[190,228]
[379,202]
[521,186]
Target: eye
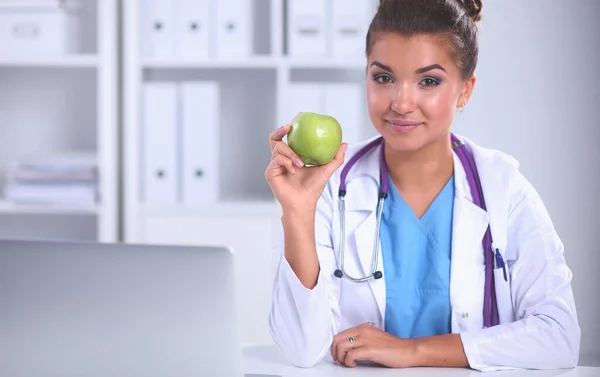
[382,78]
[430,82]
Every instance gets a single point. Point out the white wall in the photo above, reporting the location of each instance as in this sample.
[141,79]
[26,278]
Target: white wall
[538,98]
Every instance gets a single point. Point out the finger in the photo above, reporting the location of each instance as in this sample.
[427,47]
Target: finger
[340,338]
[358,353]
[275,171]
[285,150]
[278,134]
[278,166]
[338,160]
[341,154]
[284,162]
[346,346]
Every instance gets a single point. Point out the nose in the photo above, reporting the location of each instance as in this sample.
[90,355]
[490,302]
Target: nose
[403,100]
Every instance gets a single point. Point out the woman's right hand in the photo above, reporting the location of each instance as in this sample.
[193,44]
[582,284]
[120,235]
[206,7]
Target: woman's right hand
[295,185]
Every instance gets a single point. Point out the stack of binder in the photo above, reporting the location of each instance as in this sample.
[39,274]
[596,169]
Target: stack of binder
[196,29]
[69,179]
[329,28]
[180,143]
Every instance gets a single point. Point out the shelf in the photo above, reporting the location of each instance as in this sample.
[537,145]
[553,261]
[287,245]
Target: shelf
[239,63]
[22,209]
[254,63]
[50,61]
[324,63]
[230,208]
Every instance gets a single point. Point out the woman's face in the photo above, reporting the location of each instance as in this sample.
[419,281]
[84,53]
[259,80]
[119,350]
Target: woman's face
[413,90]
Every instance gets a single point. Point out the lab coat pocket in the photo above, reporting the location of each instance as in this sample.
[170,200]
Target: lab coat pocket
[469,306]
[503,295]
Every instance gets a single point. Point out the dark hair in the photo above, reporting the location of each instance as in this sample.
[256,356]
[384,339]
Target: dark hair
[453,19]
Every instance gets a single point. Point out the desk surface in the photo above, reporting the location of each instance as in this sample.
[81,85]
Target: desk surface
[268,361]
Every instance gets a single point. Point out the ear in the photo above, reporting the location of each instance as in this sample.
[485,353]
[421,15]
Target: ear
[467,91]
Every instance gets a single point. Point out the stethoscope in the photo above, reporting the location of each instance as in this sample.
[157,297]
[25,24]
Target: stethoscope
[490,310]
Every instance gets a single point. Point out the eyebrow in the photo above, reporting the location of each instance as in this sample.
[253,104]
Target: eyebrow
[429,68]
[418,71]
[382,66]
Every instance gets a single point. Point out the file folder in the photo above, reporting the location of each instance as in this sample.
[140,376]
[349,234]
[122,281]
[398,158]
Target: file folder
[234,34]
[343,101]
[307,33]
[193,29]
[157,28]
[200,142]
[349,26]
[304,97]
[159,143]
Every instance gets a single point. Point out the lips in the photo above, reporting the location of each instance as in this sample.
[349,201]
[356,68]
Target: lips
[404,125]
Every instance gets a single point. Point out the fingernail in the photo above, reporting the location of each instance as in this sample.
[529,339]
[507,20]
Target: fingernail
[299,163]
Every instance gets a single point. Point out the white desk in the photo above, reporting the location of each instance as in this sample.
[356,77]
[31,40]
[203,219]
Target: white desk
[268,361]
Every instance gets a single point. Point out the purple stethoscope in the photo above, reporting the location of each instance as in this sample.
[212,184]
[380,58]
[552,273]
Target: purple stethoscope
[490,308]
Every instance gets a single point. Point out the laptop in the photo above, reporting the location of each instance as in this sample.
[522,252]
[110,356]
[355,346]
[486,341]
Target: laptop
[100,309]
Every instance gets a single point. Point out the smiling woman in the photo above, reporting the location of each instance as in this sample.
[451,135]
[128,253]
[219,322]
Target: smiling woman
[467,269]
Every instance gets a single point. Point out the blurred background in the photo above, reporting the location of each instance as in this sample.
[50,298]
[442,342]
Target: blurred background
[146,121]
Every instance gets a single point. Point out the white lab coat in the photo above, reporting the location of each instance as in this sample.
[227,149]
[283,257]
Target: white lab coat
[538,321]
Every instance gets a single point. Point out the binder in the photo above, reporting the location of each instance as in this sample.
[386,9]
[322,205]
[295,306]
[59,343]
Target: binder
[234,34]
[157,28]
[200,121]
[304,97]
[193,29]
[349,26]
[307,33]
[343,101]
[159,132]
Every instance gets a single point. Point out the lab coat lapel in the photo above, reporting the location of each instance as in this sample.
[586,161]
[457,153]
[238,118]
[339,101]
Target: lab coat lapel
[362,199]
[469,225]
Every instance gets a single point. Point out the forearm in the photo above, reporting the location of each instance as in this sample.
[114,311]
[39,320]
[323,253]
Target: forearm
[440,351]
[300,245]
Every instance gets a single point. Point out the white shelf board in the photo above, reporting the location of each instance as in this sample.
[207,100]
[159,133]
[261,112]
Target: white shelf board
[230,208]
[23,209]
[324,63]
[237,63]
[55,61]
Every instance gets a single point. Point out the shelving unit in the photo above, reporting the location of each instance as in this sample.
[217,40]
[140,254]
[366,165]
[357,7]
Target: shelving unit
[254,99]
[75,97]
[44,61]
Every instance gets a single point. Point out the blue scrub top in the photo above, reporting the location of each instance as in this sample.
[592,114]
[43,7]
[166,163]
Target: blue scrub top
[416,257]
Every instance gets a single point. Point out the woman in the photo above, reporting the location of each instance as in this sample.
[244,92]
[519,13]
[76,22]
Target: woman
[424,305]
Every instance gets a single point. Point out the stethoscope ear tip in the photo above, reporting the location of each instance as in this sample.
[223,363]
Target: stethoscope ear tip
[377,275]
[338,273]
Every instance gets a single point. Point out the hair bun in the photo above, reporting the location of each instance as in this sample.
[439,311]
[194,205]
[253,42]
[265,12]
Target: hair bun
[473,8]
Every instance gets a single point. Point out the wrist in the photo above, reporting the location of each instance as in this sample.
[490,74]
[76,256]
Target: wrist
[303,214]
[417,352]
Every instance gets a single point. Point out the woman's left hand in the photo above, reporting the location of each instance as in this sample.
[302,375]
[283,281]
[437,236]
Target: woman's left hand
[368,343]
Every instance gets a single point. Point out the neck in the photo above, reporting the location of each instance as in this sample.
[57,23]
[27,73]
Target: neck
[422,170]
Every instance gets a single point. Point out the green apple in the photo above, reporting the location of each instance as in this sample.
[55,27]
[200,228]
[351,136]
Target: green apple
[315,138]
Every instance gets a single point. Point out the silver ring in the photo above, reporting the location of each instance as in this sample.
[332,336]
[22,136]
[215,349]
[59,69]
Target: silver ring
[351,340]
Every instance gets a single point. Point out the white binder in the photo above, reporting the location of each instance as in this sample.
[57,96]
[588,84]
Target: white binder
[349,26]
[343,101]
[159,132]
[193,29]
[234,36]
[304,97]
[157,28]
[307,33]
[200,139]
